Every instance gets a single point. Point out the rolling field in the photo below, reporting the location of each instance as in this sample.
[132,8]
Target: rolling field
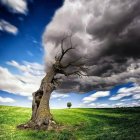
[78,124]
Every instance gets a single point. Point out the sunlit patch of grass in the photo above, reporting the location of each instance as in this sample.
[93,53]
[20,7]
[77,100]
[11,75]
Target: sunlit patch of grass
[79,124]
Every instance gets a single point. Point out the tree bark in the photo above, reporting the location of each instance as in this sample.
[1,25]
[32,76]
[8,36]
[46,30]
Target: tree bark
[41,117]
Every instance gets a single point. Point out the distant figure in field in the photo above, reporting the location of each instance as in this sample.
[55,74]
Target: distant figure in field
[69,104]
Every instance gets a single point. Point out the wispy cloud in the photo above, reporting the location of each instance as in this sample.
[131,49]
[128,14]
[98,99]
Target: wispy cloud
[30,53]
[59,95]
[111,105]
[136,96]
[6,100]
[8,27]
[99,105]
[125,100]
[126,92]
[30,98]
[21,84]
[130,104]
[95,96]
[27,67]
[16,6]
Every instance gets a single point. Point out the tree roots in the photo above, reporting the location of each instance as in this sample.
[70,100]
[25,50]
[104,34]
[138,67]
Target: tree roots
[44,126]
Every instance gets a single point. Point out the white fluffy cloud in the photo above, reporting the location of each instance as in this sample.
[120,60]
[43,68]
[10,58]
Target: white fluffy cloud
[27,67]
[111,105]
[98,105]
[95,96]
[8,27]
[126,92]
[59,95]
[6,100]
[21,84]
[130,104]
[125,100]
[136,96]
[16,6]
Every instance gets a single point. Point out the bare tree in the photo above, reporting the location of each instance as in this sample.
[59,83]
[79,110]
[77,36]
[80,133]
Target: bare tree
[41,117]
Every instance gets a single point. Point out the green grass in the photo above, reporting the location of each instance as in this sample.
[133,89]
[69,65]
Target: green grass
[80,124]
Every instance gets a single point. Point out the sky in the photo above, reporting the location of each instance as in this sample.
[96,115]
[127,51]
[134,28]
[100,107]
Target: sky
[27,30]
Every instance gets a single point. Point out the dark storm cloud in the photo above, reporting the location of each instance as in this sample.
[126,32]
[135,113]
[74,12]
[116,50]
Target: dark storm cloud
[107,33]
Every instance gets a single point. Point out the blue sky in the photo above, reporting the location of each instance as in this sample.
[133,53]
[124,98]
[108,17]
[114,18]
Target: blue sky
[22,60]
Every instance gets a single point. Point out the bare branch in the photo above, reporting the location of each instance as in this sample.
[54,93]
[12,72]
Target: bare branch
[63,52]
[79,68]
[83,68]
[79,73]
[72,63]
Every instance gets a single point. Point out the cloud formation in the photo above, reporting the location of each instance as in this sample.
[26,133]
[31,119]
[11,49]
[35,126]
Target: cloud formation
[59,96]
[95,96]
[16,6]
[126,92]
[8,27]
[6,100]
[26,82]
[34,68]
[106,32]
[111,105]
[99,105]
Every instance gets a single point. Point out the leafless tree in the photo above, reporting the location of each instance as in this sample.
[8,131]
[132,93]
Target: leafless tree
[41,117]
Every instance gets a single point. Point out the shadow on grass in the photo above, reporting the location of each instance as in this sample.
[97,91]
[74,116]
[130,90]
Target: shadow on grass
[103,124]
[108,126]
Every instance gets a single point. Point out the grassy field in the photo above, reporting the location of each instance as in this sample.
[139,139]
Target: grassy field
[80,124]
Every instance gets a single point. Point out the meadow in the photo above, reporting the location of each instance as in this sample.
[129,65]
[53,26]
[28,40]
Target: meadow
[77,124]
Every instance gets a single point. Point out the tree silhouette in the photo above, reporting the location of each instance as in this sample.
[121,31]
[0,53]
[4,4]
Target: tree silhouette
[69,104]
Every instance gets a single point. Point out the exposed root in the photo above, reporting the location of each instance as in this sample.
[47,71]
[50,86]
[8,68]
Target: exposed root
[34,126]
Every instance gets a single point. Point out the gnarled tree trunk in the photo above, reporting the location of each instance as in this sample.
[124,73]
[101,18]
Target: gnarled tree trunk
[41,117]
